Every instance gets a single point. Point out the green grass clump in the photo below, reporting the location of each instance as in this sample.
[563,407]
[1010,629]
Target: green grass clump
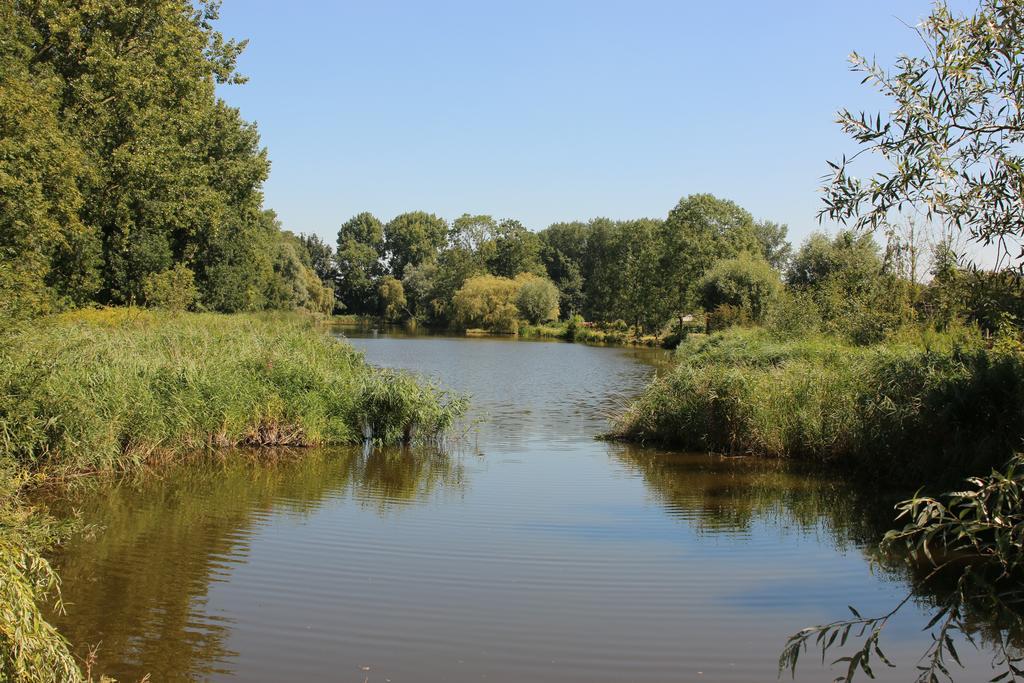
[914,409]
[108,389]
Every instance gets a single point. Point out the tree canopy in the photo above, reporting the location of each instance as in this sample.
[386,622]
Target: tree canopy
[118,162]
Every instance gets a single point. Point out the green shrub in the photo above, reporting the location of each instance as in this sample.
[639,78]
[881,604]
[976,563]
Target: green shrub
[745,283]
[794,313]
[173,289]
[537,299]
[489,302]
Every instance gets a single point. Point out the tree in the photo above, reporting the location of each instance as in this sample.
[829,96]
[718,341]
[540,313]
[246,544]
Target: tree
[853,259]
[392,298]
[418,284]
[854,295]
[411,238]
[358,262]
[320,257]
[562,248]
[699,231]
[472,233]
[953,140]
[537,299]
[488,302]
[516,250]
[603,261]
[640,292]
[748,283]
[774,247]
[155,169]
[39,167]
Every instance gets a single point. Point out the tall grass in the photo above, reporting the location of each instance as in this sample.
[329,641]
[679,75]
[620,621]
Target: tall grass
[107,390]
[913,410]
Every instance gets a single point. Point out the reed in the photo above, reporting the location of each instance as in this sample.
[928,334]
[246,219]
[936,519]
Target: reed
[913,410]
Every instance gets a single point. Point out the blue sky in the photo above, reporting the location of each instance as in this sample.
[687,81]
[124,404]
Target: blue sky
[552,111]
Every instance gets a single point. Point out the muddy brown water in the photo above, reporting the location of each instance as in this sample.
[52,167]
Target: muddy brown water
[526,551]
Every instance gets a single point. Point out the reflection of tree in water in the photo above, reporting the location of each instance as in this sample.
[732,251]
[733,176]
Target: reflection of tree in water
[724,495]
[138,585]
[730,495]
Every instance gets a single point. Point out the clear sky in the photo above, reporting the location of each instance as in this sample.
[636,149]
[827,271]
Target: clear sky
[556,110]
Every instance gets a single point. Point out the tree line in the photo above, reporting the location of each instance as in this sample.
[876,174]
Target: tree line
[641,271]
[709,260]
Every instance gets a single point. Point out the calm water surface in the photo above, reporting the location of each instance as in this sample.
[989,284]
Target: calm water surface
[528,551]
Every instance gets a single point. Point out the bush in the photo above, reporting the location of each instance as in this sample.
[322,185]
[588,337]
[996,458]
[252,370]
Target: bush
[746,283]
[489,302]
[537,299]
[793,314]
[173,289]
[726,316]
[31,650]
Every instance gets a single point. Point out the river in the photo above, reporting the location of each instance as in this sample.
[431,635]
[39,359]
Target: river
[525,550]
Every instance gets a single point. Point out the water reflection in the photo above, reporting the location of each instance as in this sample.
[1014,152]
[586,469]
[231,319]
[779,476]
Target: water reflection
[137,584]
[735,495]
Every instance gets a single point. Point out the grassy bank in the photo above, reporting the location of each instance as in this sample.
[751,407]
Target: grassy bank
[108,390]
[915,410]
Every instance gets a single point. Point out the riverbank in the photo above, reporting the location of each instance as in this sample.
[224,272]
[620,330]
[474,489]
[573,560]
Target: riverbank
[935,406]
[108,390]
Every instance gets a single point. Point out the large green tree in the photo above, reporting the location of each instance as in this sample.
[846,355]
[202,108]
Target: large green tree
[699,231]
[411,238]
[137,165]
[516,250]
[640,299]
[561,252]
[358,260]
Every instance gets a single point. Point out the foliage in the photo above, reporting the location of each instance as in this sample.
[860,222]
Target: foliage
[852,259]
[537,299]
[515,250]
[358,261]
[392,298]
[411,238]
[952,138]
[973,537]
[173,289]
[773,246]
[319,257]
[118,162]
[845,278]
[910,410]
[31,650]
[793,314]
[104,389]
[699,231]
[562,248]
[747,283]
[488,302]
